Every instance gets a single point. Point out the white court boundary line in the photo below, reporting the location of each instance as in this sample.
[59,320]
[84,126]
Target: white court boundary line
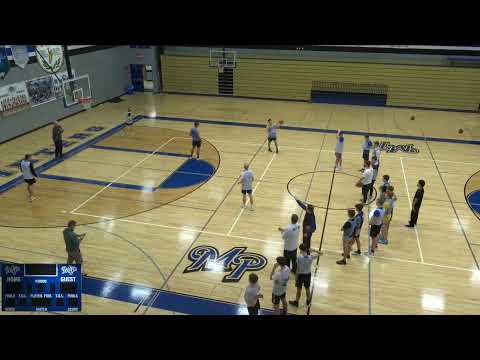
[122,175]
[253,192]
[278,243]
[410,204]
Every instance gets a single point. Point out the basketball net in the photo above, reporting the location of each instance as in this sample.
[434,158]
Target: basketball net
[86,103]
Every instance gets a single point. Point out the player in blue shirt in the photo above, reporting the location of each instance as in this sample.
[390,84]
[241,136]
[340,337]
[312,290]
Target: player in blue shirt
[196,140]
[359,218]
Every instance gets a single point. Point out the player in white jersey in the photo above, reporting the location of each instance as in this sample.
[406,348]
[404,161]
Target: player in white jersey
[29,175]
[128,122]
[280,281]
[339,151]
[246,179]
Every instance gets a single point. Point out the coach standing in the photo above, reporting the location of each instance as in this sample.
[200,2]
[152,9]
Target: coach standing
[57,139]
[366,180]
[417,202]
[72,243]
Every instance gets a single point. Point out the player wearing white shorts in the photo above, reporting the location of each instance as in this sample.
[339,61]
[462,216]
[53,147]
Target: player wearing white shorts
[339,151]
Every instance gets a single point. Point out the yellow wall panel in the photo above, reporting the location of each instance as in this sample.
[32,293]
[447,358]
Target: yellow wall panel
[409,85]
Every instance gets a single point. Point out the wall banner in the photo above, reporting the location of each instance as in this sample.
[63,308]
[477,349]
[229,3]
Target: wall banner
[4,65]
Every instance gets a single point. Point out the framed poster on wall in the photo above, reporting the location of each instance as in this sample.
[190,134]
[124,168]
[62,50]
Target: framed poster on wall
[14,98]
[40,90]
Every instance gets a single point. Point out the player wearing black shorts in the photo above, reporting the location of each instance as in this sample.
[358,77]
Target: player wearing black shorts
[280,275]
[304,273]
[376,221]
[196,140]
[29,175]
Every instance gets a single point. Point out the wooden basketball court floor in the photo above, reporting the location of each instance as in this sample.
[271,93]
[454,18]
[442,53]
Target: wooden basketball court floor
[141,236]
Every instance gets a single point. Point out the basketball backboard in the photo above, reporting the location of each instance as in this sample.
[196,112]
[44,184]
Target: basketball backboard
[75,89]
[227,58]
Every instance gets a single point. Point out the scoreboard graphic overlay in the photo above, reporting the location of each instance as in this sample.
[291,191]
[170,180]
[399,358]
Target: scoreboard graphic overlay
[41,287]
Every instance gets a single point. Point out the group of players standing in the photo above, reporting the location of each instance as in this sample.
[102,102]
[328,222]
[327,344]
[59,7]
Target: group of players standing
[379,220]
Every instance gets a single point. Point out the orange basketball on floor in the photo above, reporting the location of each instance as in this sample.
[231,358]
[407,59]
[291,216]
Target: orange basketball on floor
[460,131]
[359,183]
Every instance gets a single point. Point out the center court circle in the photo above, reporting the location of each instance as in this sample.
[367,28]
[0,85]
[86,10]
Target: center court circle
[318,183]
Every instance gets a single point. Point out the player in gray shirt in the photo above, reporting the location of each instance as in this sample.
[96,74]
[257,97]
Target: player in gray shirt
[304,273]
[196,140]
[272,133]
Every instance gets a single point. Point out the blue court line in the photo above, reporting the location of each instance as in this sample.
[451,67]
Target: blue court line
[474,201]
[166,300]
[190,172]
[140,151]
[100,183]
[51,163]
[328,131]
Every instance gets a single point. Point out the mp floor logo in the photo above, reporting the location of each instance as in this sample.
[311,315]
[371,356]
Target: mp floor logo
[235,261]
[390,148]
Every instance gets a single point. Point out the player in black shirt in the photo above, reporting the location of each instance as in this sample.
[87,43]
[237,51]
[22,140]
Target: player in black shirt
[417,202]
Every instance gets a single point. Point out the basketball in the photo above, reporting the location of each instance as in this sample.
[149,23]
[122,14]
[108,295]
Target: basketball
[281,122]
[460,131]
[359,183]
[412,117]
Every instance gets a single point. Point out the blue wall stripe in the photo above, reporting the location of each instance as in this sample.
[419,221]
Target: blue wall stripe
[328,131]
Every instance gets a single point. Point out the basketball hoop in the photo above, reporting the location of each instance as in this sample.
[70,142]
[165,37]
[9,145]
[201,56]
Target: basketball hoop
[86,103]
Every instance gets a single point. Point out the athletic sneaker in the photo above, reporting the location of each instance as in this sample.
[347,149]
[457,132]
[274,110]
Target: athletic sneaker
[293,302]
[409,226]
[269,149]
[341,262]
[358,252]
[252,207]
[371,253]
[243,206]
[383,241]
[309,301]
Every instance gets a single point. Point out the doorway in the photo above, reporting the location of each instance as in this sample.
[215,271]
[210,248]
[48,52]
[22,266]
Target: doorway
[147,78]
